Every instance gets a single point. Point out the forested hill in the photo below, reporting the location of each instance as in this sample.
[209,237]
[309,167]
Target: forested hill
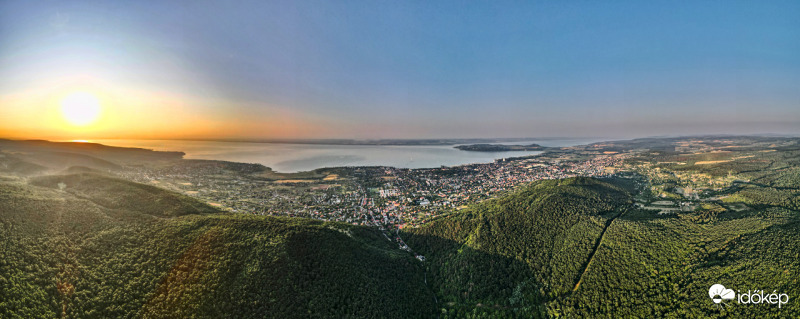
[509,256]
[88,249]
[579,248]
[649,242]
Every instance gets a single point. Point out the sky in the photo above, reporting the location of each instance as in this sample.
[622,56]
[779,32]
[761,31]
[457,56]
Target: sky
[400,69]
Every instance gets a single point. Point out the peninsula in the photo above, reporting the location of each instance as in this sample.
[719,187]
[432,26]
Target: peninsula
[500,147]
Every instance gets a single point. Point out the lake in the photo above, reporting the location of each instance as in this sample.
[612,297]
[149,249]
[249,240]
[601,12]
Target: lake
[289,158]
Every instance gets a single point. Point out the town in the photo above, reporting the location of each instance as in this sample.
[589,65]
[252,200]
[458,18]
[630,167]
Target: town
[385,197]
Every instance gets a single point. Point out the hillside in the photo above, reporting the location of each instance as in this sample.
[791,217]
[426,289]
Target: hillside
[649,242]
[509,255]
[36,148]
[35,157]
[89,251]
[578,248]
[118,194]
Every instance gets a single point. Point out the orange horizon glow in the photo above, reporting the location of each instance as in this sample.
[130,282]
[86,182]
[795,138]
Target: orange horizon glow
[92,112]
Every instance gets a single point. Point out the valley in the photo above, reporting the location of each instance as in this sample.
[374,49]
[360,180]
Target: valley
[615,229]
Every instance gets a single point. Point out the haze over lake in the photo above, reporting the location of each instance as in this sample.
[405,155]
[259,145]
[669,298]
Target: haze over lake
[287,158]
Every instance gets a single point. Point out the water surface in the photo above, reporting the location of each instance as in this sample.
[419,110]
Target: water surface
[284,157]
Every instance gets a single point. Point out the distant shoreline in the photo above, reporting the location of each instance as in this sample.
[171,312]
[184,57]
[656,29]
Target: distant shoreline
[294,157]
[372,142]
[500,148]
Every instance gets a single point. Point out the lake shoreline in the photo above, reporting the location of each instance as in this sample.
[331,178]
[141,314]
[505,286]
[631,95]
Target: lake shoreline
[293,158]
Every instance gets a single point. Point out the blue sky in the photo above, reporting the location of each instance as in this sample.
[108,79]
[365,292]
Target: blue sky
[382,69]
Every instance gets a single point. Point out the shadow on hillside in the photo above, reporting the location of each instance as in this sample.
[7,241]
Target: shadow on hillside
[119,194]
[467,280]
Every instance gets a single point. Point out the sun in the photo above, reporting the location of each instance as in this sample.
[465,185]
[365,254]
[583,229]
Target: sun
[80,108]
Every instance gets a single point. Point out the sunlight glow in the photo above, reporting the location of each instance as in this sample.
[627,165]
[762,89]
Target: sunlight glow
[80,108]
